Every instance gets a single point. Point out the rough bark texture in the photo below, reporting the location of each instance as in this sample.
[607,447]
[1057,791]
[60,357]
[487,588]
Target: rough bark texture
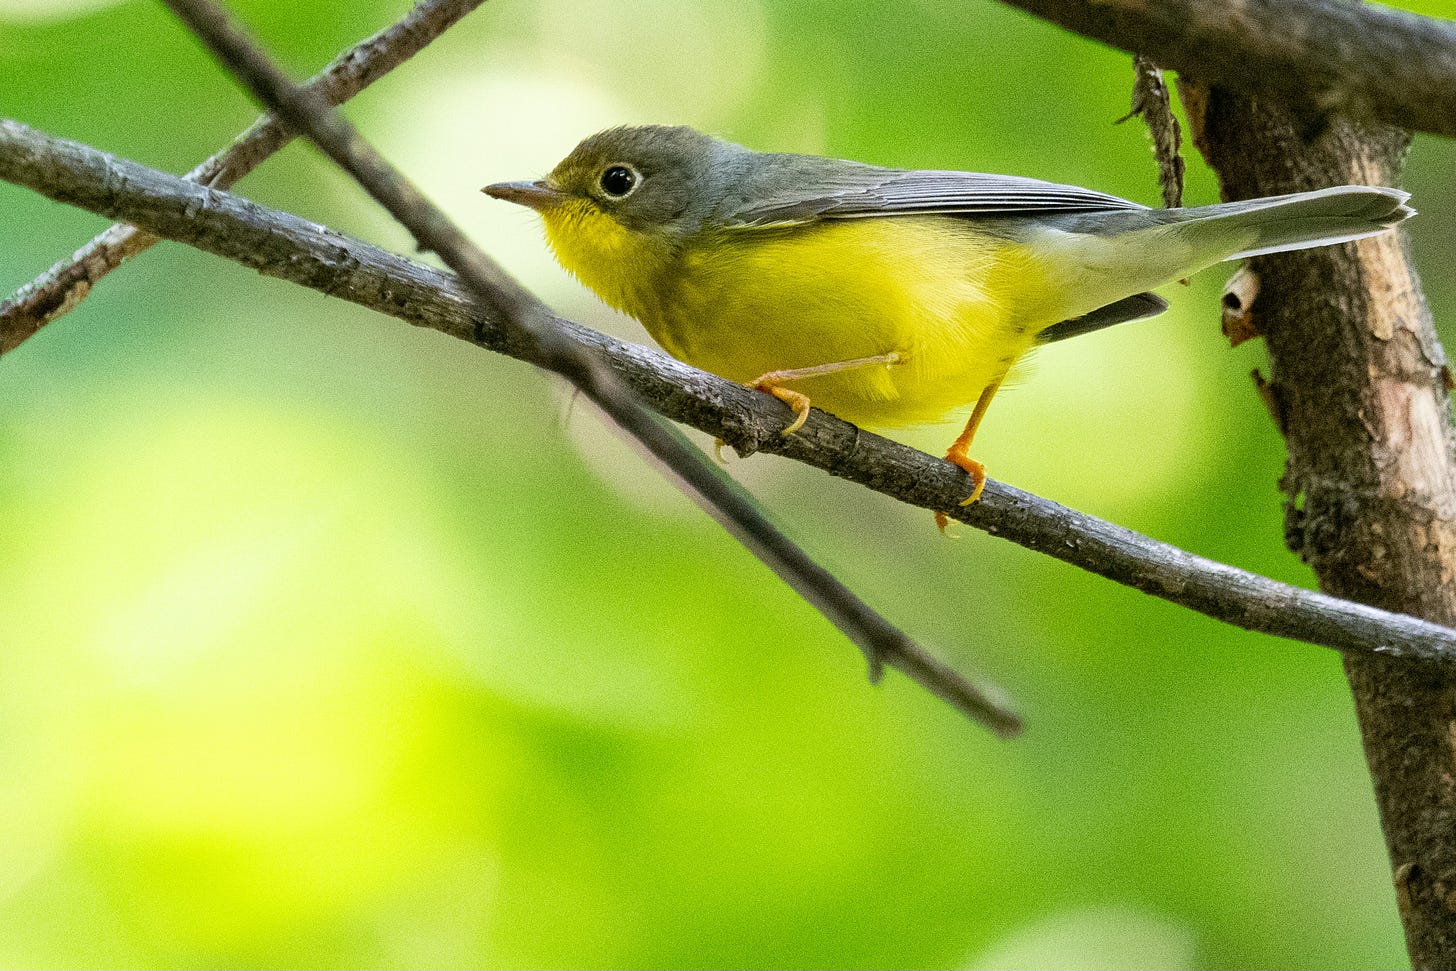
[1361,385]
[1327,56]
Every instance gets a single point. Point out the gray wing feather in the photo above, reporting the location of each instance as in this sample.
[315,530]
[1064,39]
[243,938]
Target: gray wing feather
[843,190]
[1135,307]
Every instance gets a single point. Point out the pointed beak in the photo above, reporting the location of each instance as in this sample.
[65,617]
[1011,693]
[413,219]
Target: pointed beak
[537,195]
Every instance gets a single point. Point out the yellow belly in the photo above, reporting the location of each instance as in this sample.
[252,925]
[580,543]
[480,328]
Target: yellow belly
[958,309]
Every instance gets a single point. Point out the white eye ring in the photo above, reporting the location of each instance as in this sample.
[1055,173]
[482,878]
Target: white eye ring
[619,181]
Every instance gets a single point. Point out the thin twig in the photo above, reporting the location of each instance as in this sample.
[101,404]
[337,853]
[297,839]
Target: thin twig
[533,330]
[282,245]
[1154,103]
[1363,60]
[58,291]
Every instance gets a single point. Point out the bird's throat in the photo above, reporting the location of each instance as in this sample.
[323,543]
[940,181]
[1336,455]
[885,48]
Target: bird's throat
[621,266]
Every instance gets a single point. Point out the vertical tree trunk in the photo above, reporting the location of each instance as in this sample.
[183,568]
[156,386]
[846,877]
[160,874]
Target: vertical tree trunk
[1361,387]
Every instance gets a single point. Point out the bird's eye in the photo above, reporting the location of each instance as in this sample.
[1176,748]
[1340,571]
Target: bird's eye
[619,181]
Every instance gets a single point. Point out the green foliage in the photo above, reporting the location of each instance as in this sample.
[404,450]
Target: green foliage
[330,642]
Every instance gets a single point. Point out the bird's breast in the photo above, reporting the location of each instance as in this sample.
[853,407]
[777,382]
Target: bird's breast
[932,290]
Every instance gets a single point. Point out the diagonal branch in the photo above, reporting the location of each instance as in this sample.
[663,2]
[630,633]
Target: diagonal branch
[534,333]
[284,246]
[1319,56]
[58,291]
[343,267]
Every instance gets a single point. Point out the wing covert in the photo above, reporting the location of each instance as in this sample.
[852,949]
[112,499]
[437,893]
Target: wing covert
[848,190]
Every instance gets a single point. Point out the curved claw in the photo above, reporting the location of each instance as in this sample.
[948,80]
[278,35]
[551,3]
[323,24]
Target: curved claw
[977,472]
[794,399]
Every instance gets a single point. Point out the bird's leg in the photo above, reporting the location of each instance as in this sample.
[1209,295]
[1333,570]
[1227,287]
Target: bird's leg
[773,382]
[956,455]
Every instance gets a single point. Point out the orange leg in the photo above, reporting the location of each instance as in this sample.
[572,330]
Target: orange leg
[773,382]
[956,455]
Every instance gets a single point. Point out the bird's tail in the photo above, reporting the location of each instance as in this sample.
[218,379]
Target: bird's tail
[1299,221]
[1094,260]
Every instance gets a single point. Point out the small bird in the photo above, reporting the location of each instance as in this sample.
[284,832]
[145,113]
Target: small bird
[889,297]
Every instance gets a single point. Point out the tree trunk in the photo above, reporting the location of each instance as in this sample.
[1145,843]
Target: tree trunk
[1360,390]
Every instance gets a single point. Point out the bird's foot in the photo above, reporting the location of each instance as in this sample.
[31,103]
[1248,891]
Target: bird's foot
[796,400]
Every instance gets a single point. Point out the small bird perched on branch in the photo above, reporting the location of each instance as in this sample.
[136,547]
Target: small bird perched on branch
[888,297]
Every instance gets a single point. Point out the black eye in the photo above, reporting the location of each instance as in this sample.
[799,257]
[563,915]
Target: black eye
[618,181]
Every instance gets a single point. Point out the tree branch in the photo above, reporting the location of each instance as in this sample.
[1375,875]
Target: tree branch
[533,332]
[1361,388]
[284,246]
[1361,383]
[1319,56]
[60,289]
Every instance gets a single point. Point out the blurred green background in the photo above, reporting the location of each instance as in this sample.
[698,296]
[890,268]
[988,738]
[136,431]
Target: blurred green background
[327,641]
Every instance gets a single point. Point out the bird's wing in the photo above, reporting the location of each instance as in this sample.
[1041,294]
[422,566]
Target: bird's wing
[1135,307]
[845,191]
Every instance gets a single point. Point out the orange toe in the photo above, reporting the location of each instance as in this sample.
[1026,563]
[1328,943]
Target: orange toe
[794,399]
[974,469]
